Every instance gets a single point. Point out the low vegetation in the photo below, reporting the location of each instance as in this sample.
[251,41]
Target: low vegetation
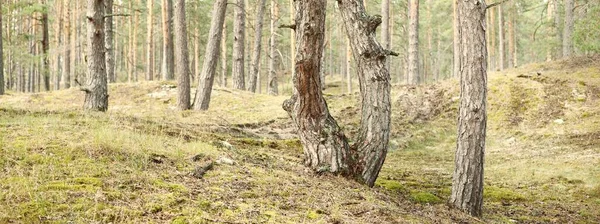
[137,163]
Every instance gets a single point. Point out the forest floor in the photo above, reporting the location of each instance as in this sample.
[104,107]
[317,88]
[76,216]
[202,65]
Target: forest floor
[136,163]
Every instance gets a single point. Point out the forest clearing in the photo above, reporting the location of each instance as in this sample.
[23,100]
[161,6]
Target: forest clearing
[135,163]
[305,111]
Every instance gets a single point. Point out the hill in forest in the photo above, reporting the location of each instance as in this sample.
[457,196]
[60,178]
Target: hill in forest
[143,161]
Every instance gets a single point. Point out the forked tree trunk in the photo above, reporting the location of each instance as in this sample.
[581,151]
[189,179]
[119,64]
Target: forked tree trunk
[239,32]
[467,181]
[413,43]
[272,79]
[96,94]
[325,146]
[181,55]
[255,66]
[110,42]
[211,57]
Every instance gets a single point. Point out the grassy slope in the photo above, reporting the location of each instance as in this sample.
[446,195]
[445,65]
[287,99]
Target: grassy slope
[133,163]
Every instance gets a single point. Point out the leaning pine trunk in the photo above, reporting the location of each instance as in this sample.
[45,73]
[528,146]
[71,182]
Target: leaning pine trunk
[211,57]
[467,181]
[96,94]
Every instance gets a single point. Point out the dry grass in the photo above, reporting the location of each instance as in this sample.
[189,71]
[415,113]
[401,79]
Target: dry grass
[134,163]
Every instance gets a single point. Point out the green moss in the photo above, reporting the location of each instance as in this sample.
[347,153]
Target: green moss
[180,220]
[501,194]
[312,214]
[425,198]
[391,185]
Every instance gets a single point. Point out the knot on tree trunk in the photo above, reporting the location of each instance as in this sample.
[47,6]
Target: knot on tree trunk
[372,23]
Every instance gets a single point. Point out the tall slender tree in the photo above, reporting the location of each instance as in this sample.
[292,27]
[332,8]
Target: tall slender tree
[467,181]
[46,48]
[239,32]
[224,55]
[96,93]
[150,41]
[110,41]
[501,51]
[568,28]
[413,43]
[181,54]
[1,56]
[211,57]
[255,64]
[66,79]
[385,27]
[272,88]
[168,59]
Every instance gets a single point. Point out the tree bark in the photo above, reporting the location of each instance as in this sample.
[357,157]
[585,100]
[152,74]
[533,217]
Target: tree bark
[255,66]
[239,32]
[211,57]
[56,71]
[467,181]
[272,88]
[492,36]
[455,38]
[131,43]
[181,55]
[150,41]
[292,42]
[413,43]
[96,94]
[134,49]
[168,60]
[568,29]
[348,67]
[511,36]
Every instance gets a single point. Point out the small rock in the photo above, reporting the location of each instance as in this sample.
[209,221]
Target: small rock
[227,145]
[511,141]
[559,121]
[225,160]
[456,98]
[201,170]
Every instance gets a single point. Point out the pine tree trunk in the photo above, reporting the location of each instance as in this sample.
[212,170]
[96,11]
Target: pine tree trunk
[46,48]
[239,32]
[224,55]
[325,146]
[385,27]
[110,42]
[150,41]
[181,55]
[455,38]
[211,57]
[96,95]
[168,59]
[56,71]
[66,79]
[467,182]
[272,88]
[413,43]
[568,29]
[492,36]
[255,64]
[134,49]
[348,66]
[292,42]
[511,37]
[1,56]
[500,39]
[131,43]
[552,27]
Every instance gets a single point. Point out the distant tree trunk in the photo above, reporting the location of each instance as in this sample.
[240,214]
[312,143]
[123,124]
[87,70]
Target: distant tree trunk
[110,42]
[211,57]
[66,79]
[325,146]
[46,48]
[224,55]
[568,29]
[292,42]
[501,53]
[385,28]
[134,49]
[181,55]
[413,43]
[150,42]
[168,60]
[239,32]
[1,56]
[467,182]
[428,61]
[131,43]
[492,36]
[96,94]
[455,38]
[511,36]
[56,64]
[553,29]
[348,66]
[272,88]
[255,66]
